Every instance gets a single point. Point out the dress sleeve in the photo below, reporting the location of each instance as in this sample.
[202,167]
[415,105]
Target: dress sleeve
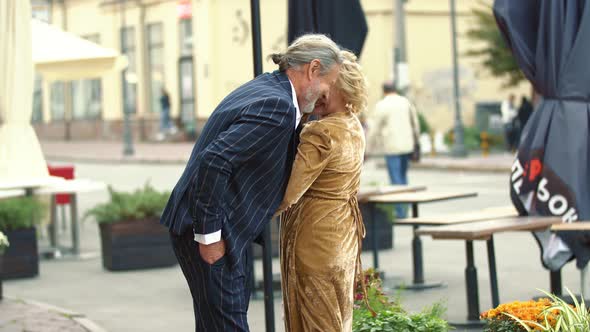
[313,154]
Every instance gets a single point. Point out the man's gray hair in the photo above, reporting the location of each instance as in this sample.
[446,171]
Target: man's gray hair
[307,48]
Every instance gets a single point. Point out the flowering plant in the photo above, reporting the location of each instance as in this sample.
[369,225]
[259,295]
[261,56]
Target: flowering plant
[3,242]
[390,316]
[549,314]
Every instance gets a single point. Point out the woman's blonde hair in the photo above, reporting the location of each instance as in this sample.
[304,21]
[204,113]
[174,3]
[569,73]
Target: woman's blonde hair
[352,84]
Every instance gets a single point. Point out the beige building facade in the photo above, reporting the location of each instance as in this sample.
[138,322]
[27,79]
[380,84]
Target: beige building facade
[200,50]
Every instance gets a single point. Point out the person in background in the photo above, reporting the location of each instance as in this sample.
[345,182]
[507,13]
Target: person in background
[524,112]
[166,127]
[393,133]
[508,110]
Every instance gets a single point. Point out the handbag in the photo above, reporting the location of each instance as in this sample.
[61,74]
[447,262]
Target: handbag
[415,156]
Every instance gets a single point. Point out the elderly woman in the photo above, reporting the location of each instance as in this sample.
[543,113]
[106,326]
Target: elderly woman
[321,226]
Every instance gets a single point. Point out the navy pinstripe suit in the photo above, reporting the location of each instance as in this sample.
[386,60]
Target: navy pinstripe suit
[233,182]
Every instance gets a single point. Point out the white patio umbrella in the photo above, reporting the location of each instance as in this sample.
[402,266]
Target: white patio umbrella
[21,157]
[57,55]
[60,55]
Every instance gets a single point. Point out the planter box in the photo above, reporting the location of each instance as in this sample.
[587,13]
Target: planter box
[21,259]
[384,229]
[136,244]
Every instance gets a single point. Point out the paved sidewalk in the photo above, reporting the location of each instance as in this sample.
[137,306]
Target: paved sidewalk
[19,316]
[178,153]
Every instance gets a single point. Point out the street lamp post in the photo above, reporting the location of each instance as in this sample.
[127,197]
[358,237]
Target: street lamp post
[127,137]
[458,146]
[400,70]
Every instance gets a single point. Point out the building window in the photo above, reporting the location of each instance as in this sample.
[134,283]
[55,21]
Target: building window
[37,115]
[186,37]
[87,94]
[155,44]
[130,73]
[58,105]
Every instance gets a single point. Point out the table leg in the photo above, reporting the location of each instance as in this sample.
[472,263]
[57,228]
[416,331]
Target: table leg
[52,228]
[555,281]
[372,207]
[472,292]
[471,284]
[418,282]
[75,225]
[268,291]
[493,273]
[584,283]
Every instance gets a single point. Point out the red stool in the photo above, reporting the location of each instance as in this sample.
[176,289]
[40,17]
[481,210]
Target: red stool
[61,200]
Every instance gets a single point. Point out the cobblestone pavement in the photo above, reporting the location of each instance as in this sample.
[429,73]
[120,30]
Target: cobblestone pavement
[24,316]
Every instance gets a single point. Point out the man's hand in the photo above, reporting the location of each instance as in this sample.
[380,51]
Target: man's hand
[211,253]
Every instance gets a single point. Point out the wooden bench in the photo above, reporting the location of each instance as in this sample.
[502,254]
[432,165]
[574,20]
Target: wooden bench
[414,199]
[485,231]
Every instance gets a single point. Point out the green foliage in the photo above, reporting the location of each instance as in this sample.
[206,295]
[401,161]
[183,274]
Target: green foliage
[568,318]
[424,126]
[19,213]
[502,325]
[390,315]
[388,210]
[141,204]
[472,139]
[494,54]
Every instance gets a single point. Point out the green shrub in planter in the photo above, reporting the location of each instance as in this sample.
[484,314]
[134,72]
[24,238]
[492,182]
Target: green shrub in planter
[144,203]
[18,217]
[20,213]
[390,316]
[131,236]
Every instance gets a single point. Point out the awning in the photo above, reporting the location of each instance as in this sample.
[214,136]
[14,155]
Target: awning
[60,55]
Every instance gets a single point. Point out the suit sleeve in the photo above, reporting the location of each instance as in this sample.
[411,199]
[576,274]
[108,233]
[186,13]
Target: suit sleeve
[313,154]
[261,127]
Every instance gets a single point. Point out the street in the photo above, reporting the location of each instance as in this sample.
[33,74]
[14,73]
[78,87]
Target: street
[159,300]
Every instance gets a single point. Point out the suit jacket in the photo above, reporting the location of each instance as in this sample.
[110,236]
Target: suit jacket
[238,170]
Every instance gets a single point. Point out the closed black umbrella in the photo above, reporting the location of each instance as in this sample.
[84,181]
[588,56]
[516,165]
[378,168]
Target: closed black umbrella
[342,20]
[551,174]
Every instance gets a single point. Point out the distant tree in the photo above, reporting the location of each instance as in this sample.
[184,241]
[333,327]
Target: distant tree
[494,54]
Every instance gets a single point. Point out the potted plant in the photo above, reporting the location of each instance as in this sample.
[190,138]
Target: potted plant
[3,245]
[549,314]
[131,236]
[388,315]
[18,217]
[384,217]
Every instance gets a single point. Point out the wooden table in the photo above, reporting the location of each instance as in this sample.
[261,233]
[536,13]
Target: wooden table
[484,230]
[414,199]
[367,194]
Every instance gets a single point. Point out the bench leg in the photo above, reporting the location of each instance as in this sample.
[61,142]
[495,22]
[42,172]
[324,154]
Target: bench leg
[53,241]
[471,284]
[493,273]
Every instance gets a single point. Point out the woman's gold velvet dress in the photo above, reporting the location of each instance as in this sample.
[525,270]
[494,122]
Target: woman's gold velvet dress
[321,228]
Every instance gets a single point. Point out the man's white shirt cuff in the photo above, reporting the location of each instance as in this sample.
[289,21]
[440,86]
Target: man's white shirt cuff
[208,238]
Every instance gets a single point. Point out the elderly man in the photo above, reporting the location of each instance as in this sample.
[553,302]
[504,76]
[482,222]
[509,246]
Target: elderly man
[236,178]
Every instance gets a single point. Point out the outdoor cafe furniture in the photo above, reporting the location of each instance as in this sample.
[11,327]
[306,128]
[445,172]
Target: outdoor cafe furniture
[72,187]
[582,229]
[485,231]
[414,199]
